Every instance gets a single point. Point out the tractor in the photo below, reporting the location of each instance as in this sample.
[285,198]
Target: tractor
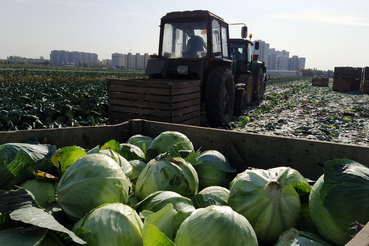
[195,45]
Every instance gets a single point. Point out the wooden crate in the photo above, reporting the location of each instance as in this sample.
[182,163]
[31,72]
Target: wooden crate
[173,101]
[365,86]
[320,82]
[342,84]
[343,72]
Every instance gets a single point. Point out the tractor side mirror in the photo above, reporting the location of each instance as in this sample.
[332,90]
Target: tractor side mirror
[257,45]
[244,32]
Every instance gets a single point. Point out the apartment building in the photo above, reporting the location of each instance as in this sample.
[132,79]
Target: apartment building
[130,61]
[75,58]
[278,60]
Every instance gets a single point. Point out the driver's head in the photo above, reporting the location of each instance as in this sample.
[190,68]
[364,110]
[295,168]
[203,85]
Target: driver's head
[190,32]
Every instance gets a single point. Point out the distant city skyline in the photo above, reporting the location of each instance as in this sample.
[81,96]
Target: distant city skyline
[328,33]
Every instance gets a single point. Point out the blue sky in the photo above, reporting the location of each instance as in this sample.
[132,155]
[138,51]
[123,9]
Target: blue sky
[327,33]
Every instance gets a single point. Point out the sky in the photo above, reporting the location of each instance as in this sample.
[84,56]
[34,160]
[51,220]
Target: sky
[328,33]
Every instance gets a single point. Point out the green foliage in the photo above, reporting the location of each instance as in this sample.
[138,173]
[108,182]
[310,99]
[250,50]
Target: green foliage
[51,97]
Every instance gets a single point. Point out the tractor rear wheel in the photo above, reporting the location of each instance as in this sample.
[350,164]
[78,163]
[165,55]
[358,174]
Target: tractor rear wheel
[219,96]
[259,85]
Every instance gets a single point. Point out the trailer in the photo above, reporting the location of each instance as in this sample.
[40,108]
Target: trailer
[243,149]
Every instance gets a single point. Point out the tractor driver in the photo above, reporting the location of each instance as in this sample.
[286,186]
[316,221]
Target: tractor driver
[194,44]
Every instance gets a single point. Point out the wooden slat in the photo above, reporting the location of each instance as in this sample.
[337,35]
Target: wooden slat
[154,100]
[362,238]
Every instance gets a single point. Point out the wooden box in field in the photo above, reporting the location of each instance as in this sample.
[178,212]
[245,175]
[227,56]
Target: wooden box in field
[365,81]
[342,84]
[320,82]
[347,78]
[173,101]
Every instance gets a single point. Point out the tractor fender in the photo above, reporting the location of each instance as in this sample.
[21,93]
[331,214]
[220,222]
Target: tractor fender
[155,67]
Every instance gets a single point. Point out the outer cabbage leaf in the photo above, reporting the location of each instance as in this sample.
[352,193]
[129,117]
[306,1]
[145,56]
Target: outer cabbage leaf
[131,152]
[165,220]
[63,158]
[152,236]
[123,163]
[36,152]
[137,167]
[337,203]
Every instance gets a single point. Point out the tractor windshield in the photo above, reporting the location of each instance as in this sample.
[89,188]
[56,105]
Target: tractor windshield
[184,40]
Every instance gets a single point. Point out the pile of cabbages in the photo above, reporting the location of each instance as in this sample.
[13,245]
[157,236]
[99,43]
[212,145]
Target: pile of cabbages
[162,191]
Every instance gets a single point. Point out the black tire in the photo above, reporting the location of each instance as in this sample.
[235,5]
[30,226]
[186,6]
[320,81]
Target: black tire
[240,97]
[259,86]
[247,80]
[219,96]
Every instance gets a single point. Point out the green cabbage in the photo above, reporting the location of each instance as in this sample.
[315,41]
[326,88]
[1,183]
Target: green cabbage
[338,202]
[213,226]
[43,191]
[137,167]
[131,152]
[168,141]
[214,169]
[110,224]
[92,180]
[167,173]
[269,199]
[212,195]
[141,141]
[123,163]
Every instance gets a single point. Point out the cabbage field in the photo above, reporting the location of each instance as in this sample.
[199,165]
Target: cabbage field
[294,108]
[52,97]
[160,190]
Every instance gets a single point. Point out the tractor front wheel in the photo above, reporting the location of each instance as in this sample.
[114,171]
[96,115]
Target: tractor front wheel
[259,85]
[219,96]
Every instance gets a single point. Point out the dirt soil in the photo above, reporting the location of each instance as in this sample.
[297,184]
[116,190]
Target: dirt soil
[293,107]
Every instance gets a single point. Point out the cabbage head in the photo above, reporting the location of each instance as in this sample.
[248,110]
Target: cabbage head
[293,237]
[131,152]
[215,226]
[269,199]
[167,173]
[214,169]
[168,141]
[43,191]
[338,202]
[110,224]
[137,167]
[141,141]
[212,195]
[92,180]
[123,163]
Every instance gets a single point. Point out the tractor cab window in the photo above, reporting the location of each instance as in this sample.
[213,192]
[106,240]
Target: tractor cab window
[184,40]
[238,51]
[220,39]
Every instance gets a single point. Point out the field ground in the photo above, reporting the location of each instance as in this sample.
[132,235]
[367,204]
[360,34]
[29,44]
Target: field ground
[49,97]
[294,108]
